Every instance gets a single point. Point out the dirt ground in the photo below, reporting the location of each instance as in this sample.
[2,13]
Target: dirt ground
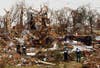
[71,64]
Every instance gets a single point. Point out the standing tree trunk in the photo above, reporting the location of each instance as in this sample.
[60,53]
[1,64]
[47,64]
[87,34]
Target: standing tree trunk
[91,27]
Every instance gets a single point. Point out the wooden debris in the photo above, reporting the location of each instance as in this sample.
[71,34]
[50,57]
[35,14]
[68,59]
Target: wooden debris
[43,62]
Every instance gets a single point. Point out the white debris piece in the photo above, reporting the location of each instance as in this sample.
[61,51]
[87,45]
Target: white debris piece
[73,42]
[31,54]
[89,47]
[14,23]
[82,48]
[25,32]
[97,38]
[11,44]
[10,56]
[67,41]
[32,49]
[20,40]
[55,46]
[19,65]
[1,24]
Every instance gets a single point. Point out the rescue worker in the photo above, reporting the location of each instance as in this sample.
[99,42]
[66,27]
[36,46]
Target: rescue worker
[18,49]
[23,49]
[65,54]
[78,55]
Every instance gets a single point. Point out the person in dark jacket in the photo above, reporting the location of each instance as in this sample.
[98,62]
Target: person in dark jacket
[78,55]
[23,49]
[65,54]
[18,49]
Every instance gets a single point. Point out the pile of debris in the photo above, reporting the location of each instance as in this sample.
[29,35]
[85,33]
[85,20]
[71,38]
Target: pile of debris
[29,36]
[93,60]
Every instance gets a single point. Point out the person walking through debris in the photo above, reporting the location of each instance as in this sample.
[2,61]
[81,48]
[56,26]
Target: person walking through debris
[18,49]
[23,49]
[65,54]
[78,55]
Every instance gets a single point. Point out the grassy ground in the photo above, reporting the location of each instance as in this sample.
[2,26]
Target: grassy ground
[71,64]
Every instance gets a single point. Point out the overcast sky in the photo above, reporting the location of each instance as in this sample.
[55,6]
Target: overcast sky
[55,4]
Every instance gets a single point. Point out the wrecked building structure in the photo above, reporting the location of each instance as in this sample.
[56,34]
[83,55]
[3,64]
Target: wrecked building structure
[39,33]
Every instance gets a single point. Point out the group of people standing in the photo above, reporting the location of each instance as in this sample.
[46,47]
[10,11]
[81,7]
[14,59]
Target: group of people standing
[21,49]
[77,53]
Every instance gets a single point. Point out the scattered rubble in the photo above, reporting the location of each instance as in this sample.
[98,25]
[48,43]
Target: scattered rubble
[35,39]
